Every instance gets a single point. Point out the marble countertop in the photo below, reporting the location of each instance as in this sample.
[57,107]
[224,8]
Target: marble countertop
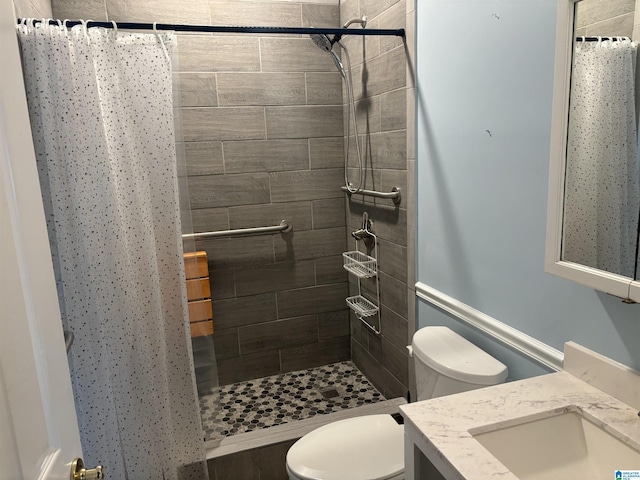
[440,427]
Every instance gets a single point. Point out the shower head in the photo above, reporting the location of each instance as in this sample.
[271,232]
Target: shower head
[338,63]
[323,42]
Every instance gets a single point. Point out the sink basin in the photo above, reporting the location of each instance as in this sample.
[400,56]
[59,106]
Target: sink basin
[564,446]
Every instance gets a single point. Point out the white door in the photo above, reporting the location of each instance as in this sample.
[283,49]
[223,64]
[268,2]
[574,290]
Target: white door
[38,428]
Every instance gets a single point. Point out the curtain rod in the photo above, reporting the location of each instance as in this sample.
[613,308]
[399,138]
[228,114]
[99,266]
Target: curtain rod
[230,29]
[597,39]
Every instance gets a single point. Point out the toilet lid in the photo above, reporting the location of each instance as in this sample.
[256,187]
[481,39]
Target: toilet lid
[361,448]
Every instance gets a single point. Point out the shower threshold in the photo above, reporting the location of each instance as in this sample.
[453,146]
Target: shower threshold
[269,402]
[286,434]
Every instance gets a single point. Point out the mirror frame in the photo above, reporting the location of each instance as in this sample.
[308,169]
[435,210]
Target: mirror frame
[624,287]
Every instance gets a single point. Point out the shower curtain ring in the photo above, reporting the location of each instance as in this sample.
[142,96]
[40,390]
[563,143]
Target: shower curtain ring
[164,48]
[115,27]
[85,25]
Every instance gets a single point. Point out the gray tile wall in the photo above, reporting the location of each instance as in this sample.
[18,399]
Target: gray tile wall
[383,90]
[605,17]
[257,110]
[262,121]
[32,8]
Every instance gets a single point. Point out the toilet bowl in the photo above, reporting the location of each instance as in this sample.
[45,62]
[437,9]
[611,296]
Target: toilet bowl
[371,447]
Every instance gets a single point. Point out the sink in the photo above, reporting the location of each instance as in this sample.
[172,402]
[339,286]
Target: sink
[562,446]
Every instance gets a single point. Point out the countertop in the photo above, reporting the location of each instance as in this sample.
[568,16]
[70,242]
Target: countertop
[440,427]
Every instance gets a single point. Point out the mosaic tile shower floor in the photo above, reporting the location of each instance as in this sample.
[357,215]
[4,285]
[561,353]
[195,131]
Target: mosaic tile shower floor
[279,399]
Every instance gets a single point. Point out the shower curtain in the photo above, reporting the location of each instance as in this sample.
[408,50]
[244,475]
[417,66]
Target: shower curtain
[602,198]
[100,104]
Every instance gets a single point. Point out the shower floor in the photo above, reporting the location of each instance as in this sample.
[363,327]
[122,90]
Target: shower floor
[269,401]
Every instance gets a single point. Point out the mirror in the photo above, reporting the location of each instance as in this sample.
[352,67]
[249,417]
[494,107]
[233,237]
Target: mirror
[602,194]
[593,231]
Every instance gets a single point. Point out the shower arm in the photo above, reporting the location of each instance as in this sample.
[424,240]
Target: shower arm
[362,21]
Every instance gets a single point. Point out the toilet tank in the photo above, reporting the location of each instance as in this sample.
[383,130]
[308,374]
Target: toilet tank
[446,363]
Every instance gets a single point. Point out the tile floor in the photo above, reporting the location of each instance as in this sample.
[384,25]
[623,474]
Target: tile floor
[265,402]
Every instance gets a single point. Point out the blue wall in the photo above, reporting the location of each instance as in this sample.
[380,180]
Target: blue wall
[485,75]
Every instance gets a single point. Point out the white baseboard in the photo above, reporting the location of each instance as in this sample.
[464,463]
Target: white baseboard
[535,349]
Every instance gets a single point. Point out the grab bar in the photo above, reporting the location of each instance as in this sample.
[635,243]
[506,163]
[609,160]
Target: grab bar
[394,194]
[283,227]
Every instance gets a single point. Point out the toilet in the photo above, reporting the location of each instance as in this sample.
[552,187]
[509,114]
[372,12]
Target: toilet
[371,447]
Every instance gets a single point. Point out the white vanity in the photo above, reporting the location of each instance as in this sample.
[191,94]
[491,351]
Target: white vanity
[577,424]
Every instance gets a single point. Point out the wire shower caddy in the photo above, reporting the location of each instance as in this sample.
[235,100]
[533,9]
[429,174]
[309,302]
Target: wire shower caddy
[363,266]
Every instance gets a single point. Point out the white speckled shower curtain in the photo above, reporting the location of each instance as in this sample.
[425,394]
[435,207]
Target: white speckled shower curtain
[601,191]
[101,110]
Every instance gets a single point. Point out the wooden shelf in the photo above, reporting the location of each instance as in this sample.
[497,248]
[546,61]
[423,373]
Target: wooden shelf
[196,269]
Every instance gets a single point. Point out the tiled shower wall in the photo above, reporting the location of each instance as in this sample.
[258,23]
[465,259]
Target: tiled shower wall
[383,88]
[610,17]
[262,121]
[269,148]
[32,8]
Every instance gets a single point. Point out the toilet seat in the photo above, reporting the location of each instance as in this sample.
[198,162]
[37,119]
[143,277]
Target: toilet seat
[362,448]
